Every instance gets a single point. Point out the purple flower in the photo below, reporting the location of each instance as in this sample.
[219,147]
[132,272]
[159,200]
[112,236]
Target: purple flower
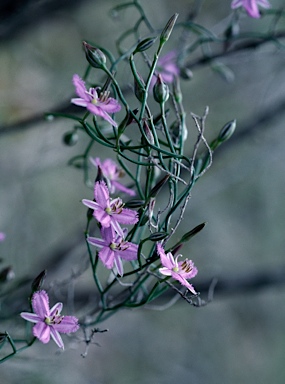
[251,6]
[179,270]
[49,322]
[167,67]
[100,105]
[2,236]
[112,173]
[110,212]
[113,249]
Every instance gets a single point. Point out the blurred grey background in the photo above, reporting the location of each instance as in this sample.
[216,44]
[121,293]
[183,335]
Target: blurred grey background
[237,338]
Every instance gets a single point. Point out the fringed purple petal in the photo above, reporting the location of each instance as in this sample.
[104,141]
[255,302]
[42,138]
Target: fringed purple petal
[107,257]
[42,332]
[80,88]
[40,304]
[127,216]
[68,324]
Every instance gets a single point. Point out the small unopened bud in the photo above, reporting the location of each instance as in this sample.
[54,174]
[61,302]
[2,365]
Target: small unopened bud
[6,275]
[160,90]
[148,133]
[134,203]
[192,233]
[227,131]
[177,130]
[145,44]
[177,90]
[157,236]
[94,56]
[38,281]
[186,73]
[168,28]
[155,190]
[70,138]
[139,88]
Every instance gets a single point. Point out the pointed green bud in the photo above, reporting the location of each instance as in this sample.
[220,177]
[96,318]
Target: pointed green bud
[139,86]
[94,56]
[168,28]
[227,131]
[158,236]
[192,233]
[70,138]
[145,44]
[134,203]
[155,190]
[160,90]
[38,281]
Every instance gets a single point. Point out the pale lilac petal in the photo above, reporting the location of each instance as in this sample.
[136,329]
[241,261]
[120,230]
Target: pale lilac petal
[42,332]
[30,317]
[127,216]
[90,204]
[236,4]
[2,236]
[107,257]
[184,282]
[97,242]
[119,265]
[116,226]
[56,309]
[122,188]
[166,260]
[80,88]
[56,337]
[165,271]
[68,324]
[40,304]
[79,102]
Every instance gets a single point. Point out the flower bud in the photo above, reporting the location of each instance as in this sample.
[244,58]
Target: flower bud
[139,88]
[160,90]
[70,138]
[155,190]
[38,281]
[148,133]
[227,131]
[168,28]
[94,56]
[6,275]
[145,44]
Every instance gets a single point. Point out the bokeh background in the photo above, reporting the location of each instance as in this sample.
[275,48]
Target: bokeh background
[237,338]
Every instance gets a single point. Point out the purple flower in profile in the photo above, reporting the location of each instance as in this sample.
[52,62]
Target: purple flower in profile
[49,322]
[100,105]
[167,67]
[179,270]
[112,173]
[113,249]
[2,236]
[251,6]
[110,212]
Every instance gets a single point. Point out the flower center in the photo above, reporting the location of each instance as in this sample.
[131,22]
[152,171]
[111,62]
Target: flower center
[116,206]
[121,246]
[186,266]
[55,319]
